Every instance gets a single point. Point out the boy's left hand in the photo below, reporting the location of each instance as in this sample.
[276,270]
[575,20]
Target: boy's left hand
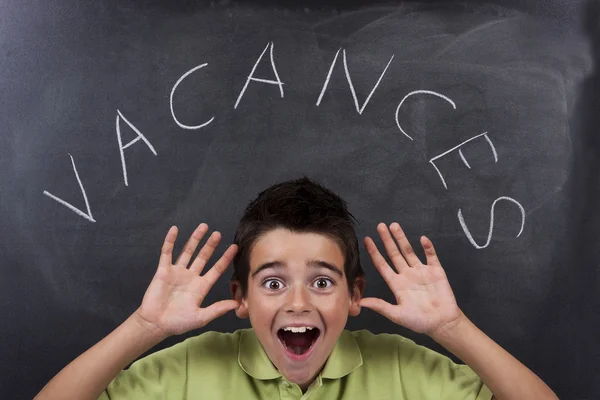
[425,301]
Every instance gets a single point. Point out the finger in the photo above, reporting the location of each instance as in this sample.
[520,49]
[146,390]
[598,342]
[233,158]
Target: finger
[166,253]
[190,247]
[379,262]
[206,252]
[379,306]
[220,266]
[432,258]
[407,250]
[205,315]
[391,247]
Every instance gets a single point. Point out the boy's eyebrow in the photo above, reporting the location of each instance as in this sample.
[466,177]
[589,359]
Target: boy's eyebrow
[311,263]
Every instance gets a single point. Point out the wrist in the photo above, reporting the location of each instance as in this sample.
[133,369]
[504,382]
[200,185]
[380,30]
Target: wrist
[146,329]
[452,330]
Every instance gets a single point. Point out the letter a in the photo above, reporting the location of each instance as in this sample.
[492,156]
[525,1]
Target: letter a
[252,78]
[121,147]
[87,216]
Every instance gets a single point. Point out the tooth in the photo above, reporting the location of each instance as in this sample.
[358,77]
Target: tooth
[298,329]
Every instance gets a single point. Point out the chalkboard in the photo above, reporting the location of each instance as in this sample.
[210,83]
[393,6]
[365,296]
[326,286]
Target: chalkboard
[474,123]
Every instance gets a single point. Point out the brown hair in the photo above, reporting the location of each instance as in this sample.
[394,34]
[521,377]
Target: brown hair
[303,206]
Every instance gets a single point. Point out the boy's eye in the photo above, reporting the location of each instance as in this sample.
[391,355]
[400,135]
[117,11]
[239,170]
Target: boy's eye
[323,283]
[272,284]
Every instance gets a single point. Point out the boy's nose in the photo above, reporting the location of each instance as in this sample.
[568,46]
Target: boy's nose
[298,300]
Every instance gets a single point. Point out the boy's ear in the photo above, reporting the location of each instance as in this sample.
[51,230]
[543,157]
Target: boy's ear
[357,293]
[235,287]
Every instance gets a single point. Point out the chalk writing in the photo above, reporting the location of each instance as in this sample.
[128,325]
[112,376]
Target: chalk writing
[489,237]
[252,78]
[277,81]
[449,100]
[484,134]
[359,108]
[87,215]
[121,147]
[171,101]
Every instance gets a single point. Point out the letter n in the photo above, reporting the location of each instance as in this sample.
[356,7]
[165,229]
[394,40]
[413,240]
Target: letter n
[359,108]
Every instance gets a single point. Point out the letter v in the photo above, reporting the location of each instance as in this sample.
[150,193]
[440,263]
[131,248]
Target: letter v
[87,216]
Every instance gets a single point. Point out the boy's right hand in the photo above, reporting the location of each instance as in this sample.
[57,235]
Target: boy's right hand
[171,305]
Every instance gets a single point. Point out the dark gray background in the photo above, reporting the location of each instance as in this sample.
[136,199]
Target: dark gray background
[522,71]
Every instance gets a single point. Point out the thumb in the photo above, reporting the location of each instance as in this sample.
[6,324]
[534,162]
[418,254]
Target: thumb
[215,310]
[378,305]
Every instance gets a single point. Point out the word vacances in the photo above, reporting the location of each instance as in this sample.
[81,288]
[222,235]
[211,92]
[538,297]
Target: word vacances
[277,81]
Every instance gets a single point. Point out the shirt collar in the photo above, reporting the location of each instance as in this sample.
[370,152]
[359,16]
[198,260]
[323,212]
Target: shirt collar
[344,358]
[252,358]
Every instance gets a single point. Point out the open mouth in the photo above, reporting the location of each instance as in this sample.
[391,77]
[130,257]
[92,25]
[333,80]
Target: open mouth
[298,343]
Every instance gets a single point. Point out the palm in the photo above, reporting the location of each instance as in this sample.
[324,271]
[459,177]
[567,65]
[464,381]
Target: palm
[172,301]
[425,301]
[424,298]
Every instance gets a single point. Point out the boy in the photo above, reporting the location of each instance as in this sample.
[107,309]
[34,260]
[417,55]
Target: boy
[297,276]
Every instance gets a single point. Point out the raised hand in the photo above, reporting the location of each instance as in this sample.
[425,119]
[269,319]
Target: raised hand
[425,301]
[172,302]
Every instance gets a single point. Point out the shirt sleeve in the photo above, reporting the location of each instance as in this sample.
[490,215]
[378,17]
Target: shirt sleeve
[428,374]
[160,375]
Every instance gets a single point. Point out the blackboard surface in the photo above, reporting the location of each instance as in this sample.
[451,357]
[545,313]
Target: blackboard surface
[434,114]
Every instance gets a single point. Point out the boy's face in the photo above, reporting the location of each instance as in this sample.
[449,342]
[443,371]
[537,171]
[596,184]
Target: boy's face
[297,279]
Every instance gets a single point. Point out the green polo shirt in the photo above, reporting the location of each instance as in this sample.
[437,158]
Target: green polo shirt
[362,365]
